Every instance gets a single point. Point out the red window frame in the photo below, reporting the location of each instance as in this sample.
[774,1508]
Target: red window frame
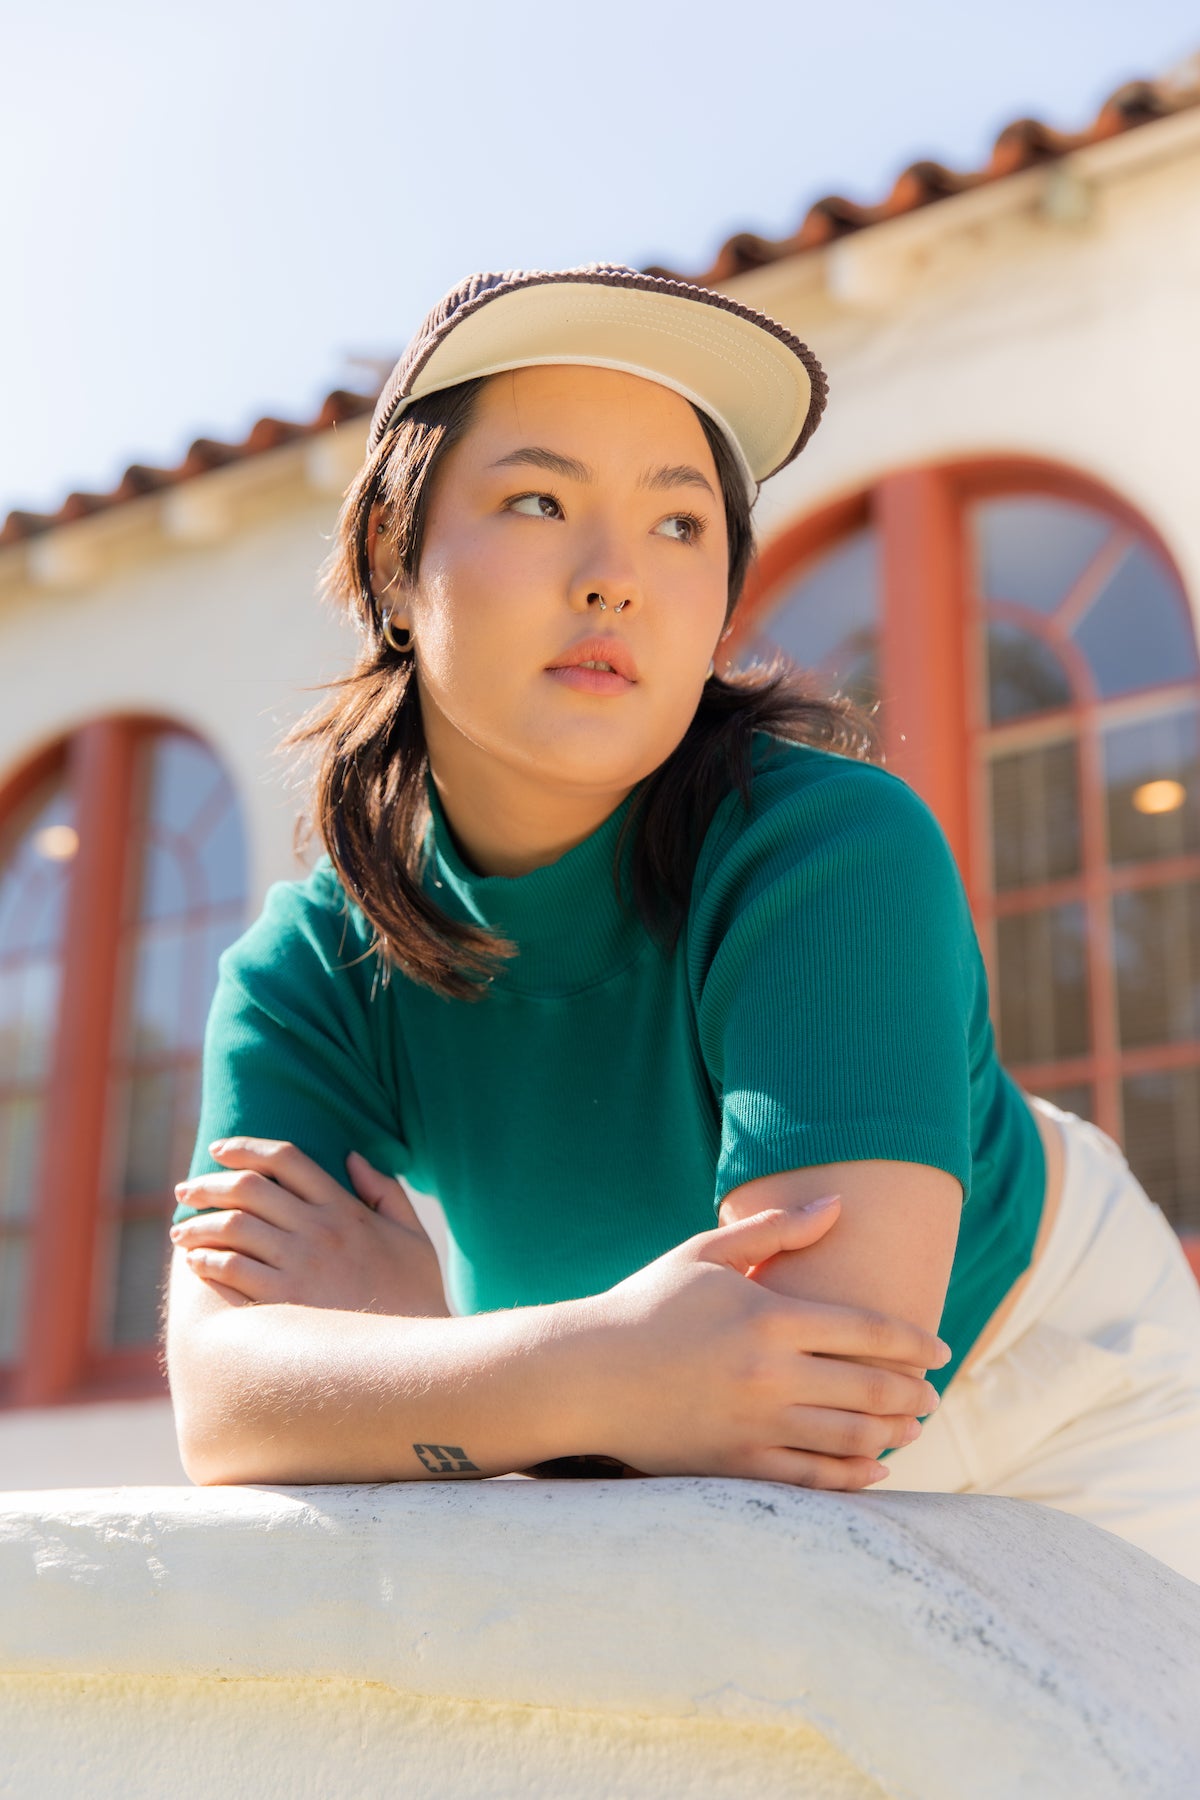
[932,654]
[59,1361]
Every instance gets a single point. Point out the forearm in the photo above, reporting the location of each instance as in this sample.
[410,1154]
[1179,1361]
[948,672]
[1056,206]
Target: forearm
[294,1394]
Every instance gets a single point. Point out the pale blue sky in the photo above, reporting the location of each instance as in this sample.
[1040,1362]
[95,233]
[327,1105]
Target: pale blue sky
[209,209]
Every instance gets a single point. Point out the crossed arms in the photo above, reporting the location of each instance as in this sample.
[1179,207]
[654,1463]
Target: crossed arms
[309,1339]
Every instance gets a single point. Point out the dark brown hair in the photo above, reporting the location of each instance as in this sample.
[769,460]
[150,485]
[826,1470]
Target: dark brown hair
[369,802]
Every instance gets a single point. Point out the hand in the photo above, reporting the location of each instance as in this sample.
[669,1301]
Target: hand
[286,1231]
[714,1374]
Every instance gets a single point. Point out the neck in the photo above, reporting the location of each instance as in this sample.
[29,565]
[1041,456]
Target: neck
[507,822]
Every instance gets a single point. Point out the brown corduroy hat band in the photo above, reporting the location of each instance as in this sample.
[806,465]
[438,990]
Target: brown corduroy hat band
[758,383]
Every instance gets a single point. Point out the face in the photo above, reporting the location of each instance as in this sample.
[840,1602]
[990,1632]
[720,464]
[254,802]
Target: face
[570,484]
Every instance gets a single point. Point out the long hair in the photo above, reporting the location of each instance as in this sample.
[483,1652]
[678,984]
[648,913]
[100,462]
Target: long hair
[369,802]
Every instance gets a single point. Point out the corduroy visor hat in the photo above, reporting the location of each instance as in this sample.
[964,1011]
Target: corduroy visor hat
[760,385]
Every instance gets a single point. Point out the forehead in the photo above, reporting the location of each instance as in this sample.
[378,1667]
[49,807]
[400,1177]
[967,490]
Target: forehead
[569,405]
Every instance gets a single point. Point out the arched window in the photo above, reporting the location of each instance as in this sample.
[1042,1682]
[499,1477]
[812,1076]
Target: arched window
[1035,660]
[122,877]
[35,858]
[1090,878]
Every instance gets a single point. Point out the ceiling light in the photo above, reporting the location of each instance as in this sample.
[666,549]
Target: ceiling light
[57,843]
[1159,796]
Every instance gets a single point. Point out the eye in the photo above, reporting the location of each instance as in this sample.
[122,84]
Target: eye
[684,527]
[534,506]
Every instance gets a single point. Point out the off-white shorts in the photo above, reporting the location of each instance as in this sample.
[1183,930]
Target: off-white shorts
[1089,1397]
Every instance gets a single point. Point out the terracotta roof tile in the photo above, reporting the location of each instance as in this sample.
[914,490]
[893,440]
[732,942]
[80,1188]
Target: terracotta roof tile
[203,455]
[1021,145]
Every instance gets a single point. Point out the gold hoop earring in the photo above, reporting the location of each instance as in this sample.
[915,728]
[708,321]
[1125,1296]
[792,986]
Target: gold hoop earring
[712,669]
[392,637]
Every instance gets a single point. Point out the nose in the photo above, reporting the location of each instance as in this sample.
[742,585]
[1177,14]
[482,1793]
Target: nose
[606,581]
[597,597]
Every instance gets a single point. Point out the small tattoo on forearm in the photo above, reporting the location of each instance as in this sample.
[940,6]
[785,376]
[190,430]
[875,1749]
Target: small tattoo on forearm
[445,1459]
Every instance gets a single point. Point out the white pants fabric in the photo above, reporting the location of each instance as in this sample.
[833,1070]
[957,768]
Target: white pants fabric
[1089,1397]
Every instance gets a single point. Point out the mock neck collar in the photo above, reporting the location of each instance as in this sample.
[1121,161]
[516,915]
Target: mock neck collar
[571,928]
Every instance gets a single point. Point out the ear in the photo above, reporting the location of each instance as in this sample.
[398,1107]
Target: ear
[387,580]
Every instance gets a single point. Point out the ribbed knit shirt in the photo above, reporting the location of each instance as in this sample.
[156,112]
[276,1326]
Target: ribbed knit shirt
[826,1002]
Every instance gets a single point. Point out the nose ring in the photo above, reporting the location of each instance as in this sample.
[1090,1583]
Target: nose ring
[603,603]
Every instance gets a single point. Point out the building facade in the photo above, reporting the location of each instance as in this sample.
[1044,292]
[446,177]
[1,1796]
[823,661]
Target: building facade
[993,537]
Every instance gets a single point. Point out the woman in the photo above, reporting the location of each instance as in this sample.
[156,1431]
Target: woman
[605,939]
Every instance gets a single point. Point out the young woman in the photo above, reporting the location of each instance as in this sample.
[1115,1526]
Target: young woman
[664,990]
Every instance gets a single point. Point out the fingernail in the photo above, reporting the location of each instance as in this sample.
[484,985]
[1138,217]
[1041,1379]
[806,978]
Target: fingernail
[821,1205]
[217,1145]
[933,1398]
[912,1431]
[947,1353]
[882,1475]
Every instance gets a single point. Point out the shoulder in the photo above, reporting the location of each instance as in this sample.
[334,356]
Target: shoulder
[306,928]
[811,809]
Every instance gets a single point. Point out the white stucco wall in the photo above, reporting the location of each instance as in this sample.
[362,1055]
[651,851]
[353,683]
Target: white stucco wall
[105,1443]
[225,637]
[660,1637]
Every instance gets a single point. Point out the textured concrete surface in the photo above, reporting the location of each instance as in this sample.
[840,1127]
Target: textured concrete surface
[937,1646]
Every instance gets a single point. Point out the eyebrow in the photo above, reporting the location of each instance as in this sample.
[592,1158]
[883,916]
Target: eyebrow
[536,457]
[672,475]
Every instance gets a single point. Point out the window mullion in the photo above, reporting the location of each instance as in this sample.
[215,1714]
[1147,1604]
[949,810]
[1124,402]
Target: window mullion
[66,1219]
[925,709]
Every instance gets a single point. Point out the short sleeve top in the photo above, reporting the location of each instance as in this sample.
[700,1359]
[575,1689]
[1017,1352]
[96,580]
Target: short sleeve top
[826,1001]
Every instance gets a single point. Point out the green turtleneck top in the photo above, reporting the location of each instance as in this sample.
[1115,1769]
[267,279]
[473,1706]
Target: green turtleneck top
[826,1002]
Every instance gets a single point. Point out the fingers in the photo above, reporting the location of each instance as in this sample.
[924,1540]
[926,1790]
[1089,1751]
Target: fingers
[242,1274]
[246,1191]
[855,1387]
[848,1435]
[802,1468]
[239,1231]
[855,1331]
[742,1246]
[279,1162]
[382,1193]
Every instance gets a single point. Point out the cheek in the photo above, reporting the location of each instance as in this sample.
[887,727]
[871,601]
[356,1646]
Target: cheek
[462,614]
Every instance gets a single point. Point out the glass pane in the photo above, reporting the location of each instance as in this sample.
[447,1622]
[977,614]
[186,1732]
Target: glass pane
[39,983]
[1162,1141]
[1152,771]
[1035,816]
[13,1296]
[142,1247]
[164,891]
[34,869]
[184,776]
[1042,985]
[1156,945]
[157,1001]
[1033,549]
[1138,632]
[149,1111]
[194,847]
[10,1023]
[1024,675]
[20,1145]
[828,622]
[222,854]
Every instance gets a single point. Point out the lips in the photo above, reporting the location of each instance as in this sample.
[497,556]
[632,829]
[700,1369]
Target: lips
[610,650]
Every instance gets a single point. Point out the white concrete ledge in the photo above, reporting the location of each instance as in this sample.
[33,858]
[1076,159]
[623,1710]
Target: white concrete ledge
[926,1646]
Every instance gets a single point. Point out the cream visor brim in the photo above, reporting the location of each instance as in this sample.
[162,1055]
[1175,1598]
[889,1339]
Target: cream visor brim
[753,387]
